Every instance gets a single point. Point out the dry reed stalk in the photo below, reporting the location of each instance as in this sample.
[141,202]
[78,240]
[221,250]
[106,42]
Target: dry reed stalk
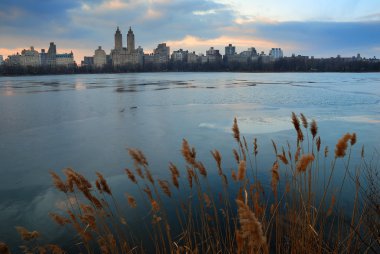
[295,121]
[87,208]
[98,186]
[4,249]
[241,170]
[131,176]
[304,162]
[131,201]
[156,219]
[326,152]
[218,159]
[103,183]
[235,130]
[299,136]
[26,235]
[251,229]
[313,128]
[58,183]
[275,177]
[330,210]
[148,192]
[304,121]
[207,200]
[233,175]
[297,155]
[86,236]
[175,181]
[60,220]
[165,187]
[245,143]
[138,157]
[341,146]
[188,153]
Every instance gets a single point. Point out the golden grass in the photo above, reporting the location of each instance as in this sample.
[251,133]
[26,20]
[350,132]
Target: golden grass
[300,212]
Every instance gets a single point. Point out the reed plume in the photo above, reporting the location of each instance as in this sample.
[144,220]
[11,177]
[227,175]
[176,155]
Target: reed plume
[140,172]
[251,229]
[138,157]
[282,157]
[60,220]
[188,153]
[103,183]
[201,168]
[148,192]
[149,176]
[26,235]
[131,176]
[165,187]
[313,128]
[155,205]
[275,177]
[318,143]
[297,155]
[190,175]
[304,162]
[58,183]
[241,170]
[255,151]
[341,146]
[353,139]
[236,155]
[330,210]
[207,200]
[4,249]
[235,130]
[131,201]
[326,152]
[173,169]
[218,159]
[304,121]
[295,121]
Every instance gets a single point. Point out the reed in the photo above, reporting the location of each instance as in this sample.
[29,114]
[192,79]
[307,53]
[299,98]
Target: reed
[289,215]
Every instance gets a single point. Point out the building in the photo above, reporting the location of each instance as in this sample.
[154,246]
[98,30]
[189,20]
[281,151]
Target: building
[13,60]
[88,61]
[180,55]
[161,53]
[122,56]
[229,50]
[192,58]
[65,60]
[30,57]
[1,60]
[212,56]
[276,53]
[100,58]
[51,55]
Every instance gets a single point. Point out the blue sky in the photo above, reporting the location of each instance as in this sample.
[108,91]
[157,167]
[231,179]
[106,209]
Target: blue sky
[320,28]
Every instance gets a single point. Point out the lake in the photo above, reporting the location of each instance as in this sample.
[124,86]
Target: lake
[87,121]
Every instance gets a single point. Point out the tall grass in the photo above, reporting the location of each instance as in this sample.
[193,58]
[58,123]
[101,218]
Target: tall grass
[300,212]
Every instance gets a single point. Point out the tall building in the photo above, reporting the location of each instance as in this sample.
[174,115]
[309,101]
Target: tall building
[43,57]
[212,56]
[118,40]
[276,53]
[52,54]
[100,58]
[1,60]
[130,41]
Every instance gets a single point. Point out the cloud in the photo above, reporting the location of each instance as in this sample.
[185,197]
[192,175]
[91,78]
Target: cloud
[194,25]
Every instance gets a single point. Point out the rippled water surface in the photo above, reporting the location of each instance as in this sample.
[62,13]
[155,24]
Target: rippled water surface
[87,121]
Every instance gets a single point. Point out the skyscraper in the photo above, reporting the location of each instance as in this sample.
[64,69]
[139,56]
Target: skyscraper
[130,41]
[118,40]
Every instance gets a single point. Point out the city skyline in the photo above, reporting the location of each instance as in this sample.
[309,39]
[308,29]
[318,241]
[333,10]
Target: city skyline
[321,30]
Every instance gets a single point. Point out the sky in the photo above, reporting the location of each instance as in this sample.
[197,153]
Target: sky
[321,28]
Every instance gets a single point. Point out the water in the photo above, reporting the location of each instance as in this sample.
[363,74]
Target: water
[87,122]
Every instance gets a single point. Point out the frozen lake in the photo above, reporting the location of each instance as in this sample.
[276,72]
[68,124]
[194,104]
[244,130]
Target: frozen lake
[87,121]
